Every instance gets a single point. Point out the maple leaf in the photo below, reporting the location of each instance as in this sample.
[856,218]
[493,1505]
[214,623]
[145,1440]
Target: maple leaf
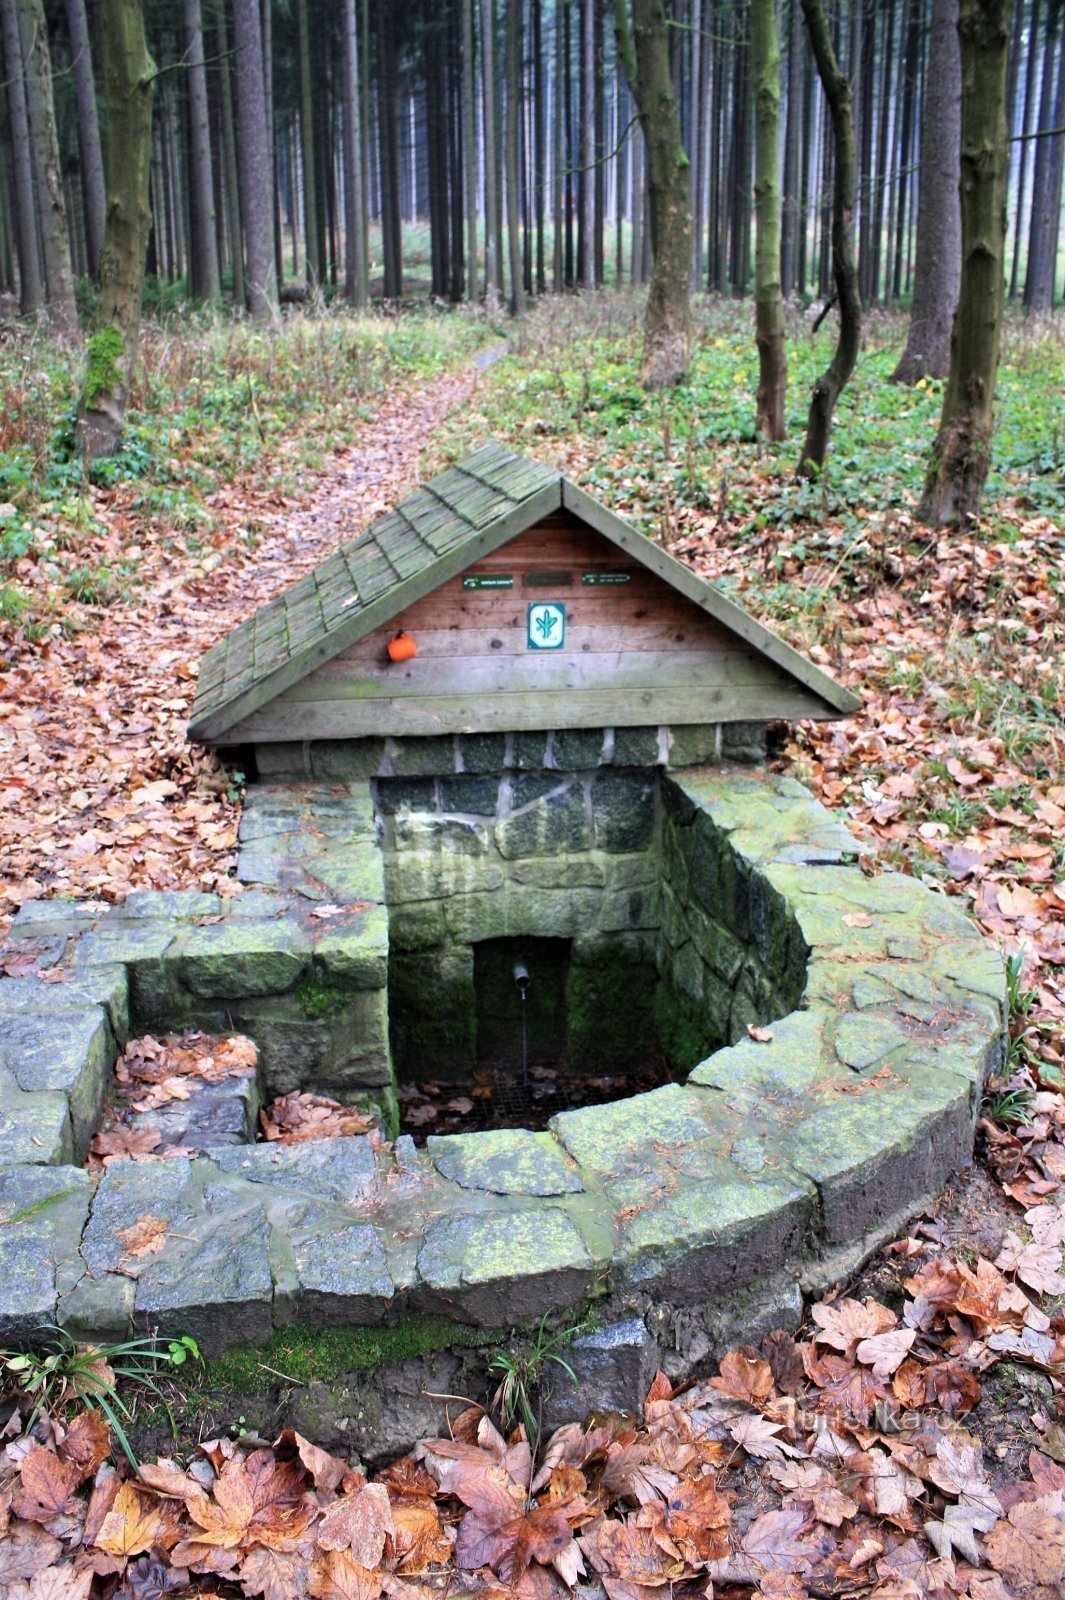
[1028,1545]
[744,1379]
[336,1575]
[759,1438]
[777,1541]
[27,1550]
[133,1525]
[846,1323]
[360,1523]
[275,1574]
[53,1583]
[87,1442]
[326,1470]
[695,1515]
[47,1486]
[419,1535]
[885,1352]
[814,1484]
[626,1550]
[1037,1264]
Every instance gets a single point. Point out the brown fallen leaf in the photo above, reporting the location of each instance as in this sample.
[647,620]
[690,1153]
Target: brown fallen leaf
[134,1524]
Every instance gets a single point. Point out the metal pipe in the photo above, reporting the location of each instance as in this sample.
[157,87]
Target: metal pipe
[521,977]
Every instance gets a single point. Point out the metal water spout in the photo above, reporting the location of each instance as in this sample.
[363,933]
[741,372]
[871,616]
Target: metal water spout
[522,980]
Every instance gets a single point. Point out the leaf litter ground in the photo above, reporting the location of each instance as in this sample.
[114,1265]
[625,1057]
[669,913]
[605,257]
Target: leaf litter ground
[910,1442]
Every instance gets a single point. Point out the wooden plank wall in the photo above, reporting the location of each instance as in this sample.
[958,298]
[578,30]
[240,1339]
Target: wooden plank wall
[634,653]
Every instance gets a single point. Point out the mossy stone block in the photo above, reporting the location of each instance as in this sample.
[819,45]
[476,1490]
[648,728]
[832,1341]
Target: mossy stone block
[478,796]
[346,758]
[530,750]
[577,749]
[606,1138]
[216,1284]
[432,1009]
[743,742]
[233,960]
[34,1128]
[694,746]
[556,825]
[482,752]
[352,948]
[42,1213]
[610,1008]
[501,1267]
[342,1276]
[636,747]
[395,795]
[505,1161]
[418,758]
[66,1052]
[623,809]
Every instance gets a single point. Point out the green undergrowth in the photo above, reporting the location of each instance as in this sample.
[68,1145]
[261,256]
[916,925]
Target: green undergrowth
[303,1354]
[212,400]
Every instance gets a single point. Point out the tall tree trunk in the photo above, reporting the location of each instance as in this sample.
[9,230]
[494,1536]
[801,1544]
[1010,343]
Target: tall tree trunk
[1026,145]
[1046,182]
[492,263]
[768,296]
[586,155]
[391,222]
[961,454]
[129,75]
[792,152]
[355,276]
[310,191]
[830,384]
[55,238]
[92,161]
[667,323]
[256,202]
[469,147]
[558,187]
[232,179]
[513,112]
[905,183]
[267,15]
[31,284]
[937,267]
[205,278]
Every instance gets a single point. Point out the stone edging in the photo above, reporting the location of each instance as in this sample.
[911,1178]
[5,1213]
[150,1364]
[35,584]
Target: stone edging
[778,1163]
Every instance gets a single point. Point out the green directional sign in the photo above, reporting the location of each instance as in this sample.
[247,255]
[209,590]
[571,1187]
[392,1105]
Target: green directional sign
[546,625]
[488,580]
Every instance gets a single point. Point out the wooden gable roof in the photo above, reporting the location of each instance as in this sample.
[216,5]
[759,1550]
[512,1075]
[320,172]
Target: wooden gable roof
[430,537]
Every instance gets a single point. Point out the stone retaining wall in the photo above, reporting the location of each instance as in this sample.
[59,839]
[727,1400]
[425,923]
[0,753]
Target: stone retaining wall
[703,1209]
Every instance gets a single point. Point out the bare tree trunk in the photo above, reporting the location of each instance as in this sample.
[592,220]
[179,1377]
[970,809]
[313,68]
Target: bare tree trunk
[586,183]
[254,162]
[559,143]
[1046,182]
[31,285]
[667,324]
[310,192]
[937,268]
[129,73]
[513,111]
[792,151]
[55,238]
[492,264]
[768,296]
[267,14]
[355,265]
[469,147]
[232,178]
[830,384]
[92,161]
[961,454]
[1026,145]
[204,274]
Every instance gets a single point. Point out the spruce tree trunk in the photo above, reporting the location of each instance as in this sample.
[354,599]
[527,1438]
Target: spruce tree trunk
[356,286]
[492,264]
[513,112]
[310,194]
[830,384]
[254,162]
[55,238]
[205,277]
[768,295]
[92,161]
[267,14]
[644,49]
[469,147]
[586,177]
[1026,146]
[792,151]
[31,283]
[937,267]
[961,454]
[1046,183]
[232,179]
[129,74]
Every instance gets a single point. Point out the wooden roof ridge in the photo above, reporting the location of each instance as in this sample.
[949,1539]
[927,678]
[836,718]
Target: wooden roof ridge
[430,536]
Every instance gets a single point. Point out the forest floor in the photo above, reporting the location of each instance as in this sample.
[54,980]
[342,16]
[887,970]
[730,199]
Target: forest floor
[912,1442]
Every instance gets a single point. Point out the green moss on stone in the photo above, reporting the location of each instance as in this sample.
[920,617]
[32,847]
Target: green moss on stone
[319,1002]
[610,1008]
[307,1354]
[687,1034]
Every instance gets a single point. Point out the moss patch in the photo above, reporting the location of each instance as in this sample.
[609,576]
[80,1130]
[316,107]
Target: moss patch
[319,1002]
[103,371]
[303,1353]
[686,1032]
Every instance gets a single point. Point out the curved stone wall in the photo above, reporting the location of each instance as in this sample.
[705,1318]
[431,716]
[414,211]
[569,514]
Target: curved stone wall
[700,1207]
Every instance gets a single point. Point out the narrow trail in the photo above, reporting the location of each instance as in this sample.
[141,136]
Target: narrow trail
[99,792]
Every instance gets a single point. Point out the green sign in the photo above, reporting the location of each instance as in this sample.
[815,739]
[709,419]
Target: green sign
[546,625]
[493,580]
[606,577]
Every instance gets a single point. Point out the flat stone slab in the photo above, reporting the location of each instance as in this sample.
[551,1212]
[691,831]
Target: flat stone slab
[787,1155]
